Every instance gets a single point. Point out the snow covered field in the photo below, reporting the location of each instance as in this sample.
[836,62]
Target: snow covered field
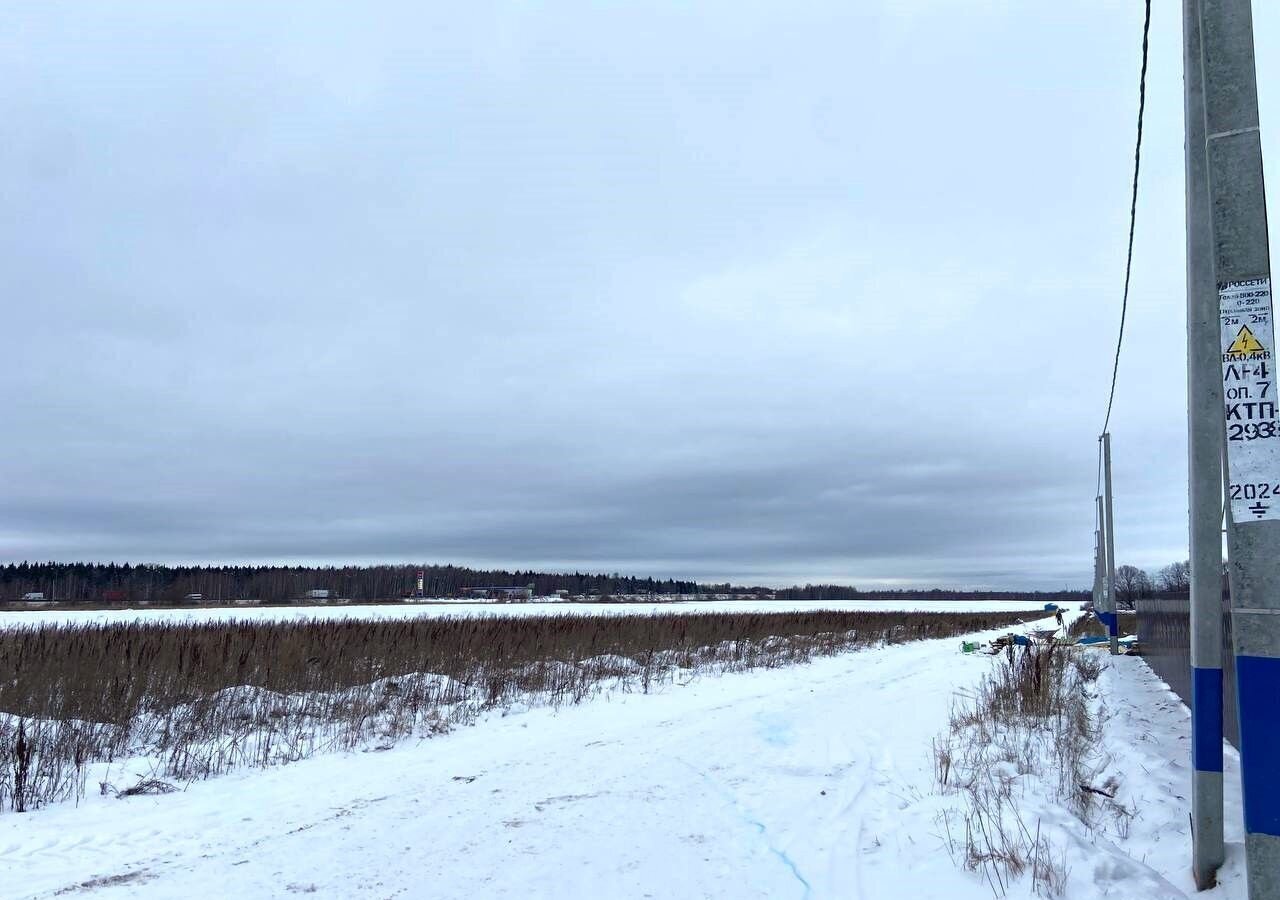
[444,608]
[813,781]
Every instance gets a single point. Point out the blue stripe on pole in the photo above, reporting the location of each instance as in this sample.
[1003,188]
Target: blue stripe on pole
[1258,700]
[1110,620]
[1206,719]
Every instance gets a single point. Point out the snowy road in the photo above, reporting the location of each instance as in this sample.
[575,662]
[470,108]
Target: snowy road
[811,781]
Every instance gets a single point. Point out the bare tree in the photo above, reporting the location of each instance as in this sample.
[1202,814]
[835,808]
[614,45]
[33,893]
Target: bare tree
[1131,584]
[1175,577]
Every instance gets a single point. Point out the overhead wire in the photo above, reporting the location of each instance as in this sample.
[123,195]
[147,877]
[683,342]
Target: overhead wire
[1133,214]
[1128,265]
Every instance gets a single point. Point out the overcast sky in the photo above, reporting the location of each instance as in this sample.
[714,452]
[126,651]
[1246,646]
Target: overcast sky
[771,293]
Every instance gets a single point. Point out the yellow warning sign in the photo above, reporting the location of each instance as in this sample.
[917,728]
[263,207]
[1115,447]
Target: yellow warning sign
[1246,343]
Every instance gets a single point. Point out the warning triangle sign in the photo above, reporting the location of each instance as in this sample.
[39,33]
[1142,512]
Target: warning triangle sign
[1245,342]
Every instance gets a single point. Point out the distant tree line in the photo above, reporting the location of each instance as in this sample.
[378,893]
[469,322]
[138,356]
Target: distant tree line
[147,582]
[845,592]
[155,583]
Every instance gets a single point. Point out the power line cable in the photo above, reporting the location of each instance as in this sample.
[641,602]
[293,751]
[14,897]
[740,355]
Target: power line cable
[1133,209]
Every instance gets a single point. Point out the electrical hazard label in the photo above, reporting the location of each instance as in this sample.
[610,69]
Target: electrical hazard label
[1246,343]
[1249,400]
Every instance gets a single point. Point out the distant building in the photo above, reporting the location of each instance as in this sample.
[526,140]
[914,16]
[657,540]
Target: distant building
[319,594]
[193,598]
[115,596]
[33,596]
[501,594]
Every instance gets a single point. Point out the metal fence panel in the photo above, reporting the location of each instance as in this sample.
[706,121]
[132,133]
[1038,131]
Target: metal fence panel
[1164,631]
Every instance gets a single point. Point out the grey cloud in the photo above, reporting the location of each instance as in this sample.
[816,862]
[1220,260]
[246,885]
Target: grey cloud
[735,292]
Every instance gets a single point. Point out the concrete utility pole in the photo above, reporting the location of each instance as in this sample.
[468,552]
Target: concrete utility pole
[1204,456]
[1242,271]
[1097,561]
[1108,616]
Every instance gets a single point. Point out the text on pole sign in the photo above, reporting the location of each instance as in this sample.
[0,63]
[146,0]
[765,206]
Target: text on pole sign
[1249,400]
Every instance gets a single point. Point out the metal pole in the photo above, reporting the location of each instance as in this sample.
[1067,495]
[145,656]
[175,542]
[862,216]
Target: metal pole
[1111,620]
[1204,481]
[1242,271]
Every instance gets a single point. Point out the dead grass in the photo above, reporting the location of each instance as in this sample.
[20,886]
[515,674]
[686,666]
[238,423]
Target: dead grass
[203,699]
[1033,716]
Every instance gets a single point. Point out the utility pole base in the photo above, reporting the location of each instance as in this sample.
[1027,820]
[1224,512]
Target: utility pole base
[1207,849]
[1263,851]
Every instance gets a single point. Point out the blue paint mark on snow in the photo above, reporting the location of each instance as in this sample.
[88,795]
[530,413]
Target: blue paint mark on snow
[755,823]
[782,855]
[775,730]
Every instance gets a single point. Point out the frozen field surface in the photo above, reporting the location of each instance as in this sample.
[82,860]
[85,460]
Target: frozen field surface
[443,608]
[813,781]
